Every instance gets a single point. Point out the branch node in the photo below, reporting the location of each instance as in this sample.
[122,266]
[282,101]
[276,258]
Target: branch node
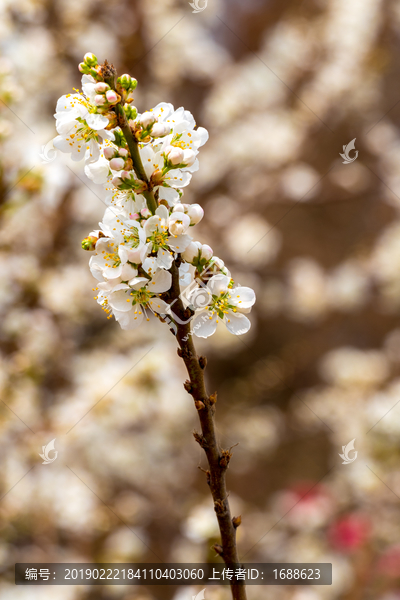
[225,458]
[218,549]
[219,507]
[199,405]
[213,398]
[188,386]
[236,521]
[200,439]
[179,352]
[202,362]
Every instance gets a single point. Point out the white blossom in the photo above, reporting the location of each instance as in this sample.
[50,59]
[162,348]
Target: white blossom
[221,303]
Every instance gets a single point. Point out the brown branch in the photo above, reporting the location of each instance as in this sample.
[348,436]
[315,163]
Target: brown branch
[217,458]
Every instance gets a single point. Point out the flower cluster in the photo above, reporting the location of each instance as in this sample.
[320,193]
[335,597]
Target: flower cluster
[145,161]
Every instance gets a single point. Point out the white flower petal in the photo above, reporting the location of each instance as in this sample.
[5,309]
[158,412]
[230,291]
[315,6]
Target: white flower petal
[164,259]
[218,284]
[129,320]
[237,323]
[169,194]
[204,324]
[96,121]
[159,306]
[179,243]
[161,282]
[128,272]
[242,297]
[162,211]
[138,282]
[120,300]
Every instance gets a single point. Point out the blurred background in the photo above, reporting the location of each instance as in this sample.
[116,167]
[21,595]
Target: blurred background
[281,87]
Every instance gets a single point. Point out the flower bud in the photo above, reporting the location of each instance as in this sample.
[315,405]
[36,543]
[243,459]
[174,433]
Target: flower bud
[82,67]
[174,155]
[160,129]
[109,152]
[117,164]
[89,243]
[112,97]
[131,112]
[188,157]
[147,119]
[123,152]
[90,59]
[196,213]
[125,175]
[101,87]
[178,223]
[180,207]
[99,100]
[125,80]
[134,216]
[191,252]
[116,181]
[206,252]
[145,212]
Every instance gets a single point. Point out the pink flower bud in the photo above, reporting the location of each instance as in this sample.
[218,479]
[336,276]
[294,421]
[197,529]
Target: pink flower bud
[174,155]
[191,252]
[101,87]
[206,252]
[196,213]
[147,119]
[90,59]
[117,164]
[109,152]
[160,129]
[112,97]
[125,175]
[117,181]
[123,152]
[134,216]
[82,67]
[179,208]
[188,157]
[145,212]
[99,100]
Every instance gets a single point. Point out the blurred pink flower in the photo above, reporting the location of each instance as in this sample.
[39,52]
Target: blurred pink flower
[349,532]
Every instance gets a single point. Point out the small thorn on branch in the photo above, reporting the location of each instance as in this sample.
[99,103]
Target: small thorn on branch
[208,474]
[202,362]
[236,521]
[218,549]
[188,386]
[200,439]
[213,398]
[199,405]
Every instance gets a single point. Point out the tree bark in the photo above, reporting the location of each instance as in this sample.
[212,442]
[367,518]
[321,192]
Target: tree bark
[218,459]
